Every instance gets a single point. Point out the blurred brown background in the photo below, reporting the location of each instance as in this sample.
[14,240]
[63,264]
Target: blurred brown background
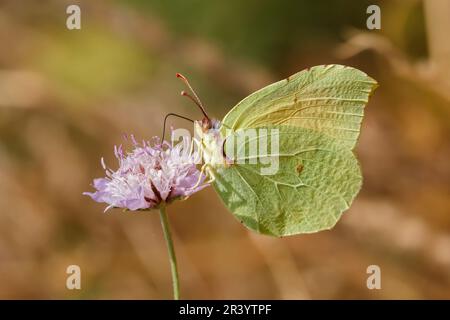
[66,97]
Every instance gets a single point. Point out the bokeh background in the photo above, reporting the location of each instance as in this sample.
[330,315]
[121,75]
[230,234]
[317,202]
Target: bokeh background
[66,97]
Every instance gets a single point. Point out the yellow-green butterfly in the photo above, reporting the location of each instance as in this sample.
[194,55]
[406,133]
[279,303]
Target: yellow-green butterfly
[315,117]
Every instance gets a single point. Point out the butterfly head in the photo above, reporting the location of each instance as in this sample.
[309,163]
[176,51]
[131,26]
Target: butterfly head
[209,124]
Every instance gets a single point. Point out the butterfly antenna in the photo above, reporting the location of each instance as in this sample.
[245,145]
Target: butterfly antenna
[175,115]
[194,97]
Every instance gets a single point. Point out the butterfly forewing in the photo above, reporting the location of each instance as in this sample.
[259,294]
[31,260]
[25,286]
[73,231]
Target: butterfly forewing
[328,99]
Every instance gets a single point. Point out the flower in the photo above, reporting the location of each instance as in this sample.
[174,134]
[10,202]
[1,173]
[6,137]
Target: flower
[149,175]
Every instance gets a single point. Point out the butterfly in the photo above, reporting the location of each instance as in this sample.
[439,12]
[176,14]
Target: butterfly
[305,127]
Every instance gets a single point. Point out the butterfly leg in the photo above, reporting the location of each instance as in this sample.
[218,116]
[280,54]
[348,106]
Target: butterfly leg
[210,174]
[202,172]
[206,168]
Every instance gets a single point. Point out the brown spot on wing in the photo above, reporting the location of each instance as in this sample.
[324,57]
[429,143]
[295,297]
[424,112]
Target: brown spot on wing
[299,168]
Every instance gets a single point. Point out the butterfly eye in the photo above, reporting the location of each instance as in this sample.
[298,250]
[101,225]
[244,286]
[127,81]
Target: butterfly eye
[206,124]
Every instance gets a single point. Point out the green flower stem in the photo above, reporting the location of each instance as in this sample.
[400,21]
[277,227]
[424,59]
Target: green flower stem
[171,251]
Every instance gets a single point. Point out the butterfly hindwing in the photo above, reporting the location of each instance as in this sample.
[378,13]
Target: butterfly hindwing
[316,180]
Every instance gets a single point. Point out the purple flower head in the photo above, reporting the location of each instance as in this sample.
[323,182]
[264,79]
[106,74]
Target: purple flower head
[149,175]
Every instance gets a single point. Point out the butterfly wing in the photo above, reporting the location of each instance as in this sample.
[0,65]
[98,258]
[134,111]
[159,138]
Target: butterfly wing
[316,181]
[329,99]
[318,114]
